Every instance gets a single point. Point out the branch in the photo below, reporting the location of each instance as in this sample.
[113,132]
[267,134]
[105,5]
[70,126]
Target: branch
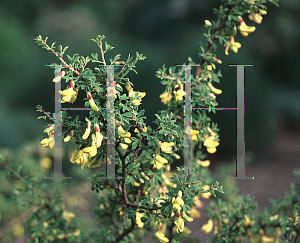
[126,231]
[210,42]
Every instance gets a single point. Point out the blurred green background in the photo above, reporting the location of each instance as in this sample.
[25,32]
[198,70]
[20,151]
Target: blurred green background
[166,32]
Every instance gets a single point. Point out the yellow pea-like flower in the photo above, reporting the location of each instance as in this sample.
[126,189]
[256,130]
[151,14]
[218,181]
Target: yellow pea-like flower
[92,102]
[165,97]
[58,78]
[245,29]
[208,227]
[166,147]
[232,45]
[161,237]
[179,224]
[87,130]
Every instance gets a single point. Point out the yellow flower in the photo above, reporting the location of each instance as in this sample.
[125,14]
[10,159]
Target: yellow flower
[208,227]
[179,224]
[204,163]
[198,202]
[70,94]
[46,163]
[195,213]
[257,18]
[206,195]
[99,136]
[207,22]
[246,220]
[179,93]
[213,89]
[232,45]
[193,133]
[48,142]
[123,145]
[168,183]
[267,239]
[90,151]
[158,161]
[165,97]
[178,202]
[79,157]
[92,102]
[87,131]
[58,78]
[161,237]
[77,232]
[245,29]
[49,129]
[211,145]
[186,217]
[140,95]
[68,138]
[68,216]
[122,133]
[138,219]
[166,147]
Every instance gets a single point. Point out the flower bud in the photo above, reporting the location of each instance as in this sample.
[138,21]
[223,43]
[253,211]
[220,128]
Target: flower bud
[207,22]
[263,12]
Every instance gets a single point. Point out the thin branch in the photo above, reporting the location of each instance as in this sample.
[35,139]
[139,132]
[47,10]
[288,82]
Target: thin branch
[126,231]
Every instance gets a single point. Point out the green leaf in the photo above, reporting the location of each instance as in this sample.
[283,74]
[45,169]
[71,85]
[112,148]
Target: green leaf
[127,114]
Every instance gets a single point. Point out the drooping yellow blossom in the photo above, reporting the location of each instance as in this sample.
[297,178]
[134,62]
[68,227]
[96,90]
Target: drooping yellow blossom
[177,202]
[160,235]
[179,224]
[195,213]
[186,217]
[204,163]
[138,219]
[208,227]
[256,17]
[136,101]
[92,102]
[76,232]
[46,163]
[245,29]
[48,142]
[124,146]
[70,94]
[232,45]
[90,151]
[165,97]
[87,130]
[158,161]
[211,132]
[206,195]
[68,216]
[267,239]
[167,182]
[198,202]
[122,133]
[79,157]
[207,22]
[179,93]
[68,138]
[193,133]
[210,144]
[49,129]
[213,89]
[166,147]
[246,220]
[99,136]
[58,78]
